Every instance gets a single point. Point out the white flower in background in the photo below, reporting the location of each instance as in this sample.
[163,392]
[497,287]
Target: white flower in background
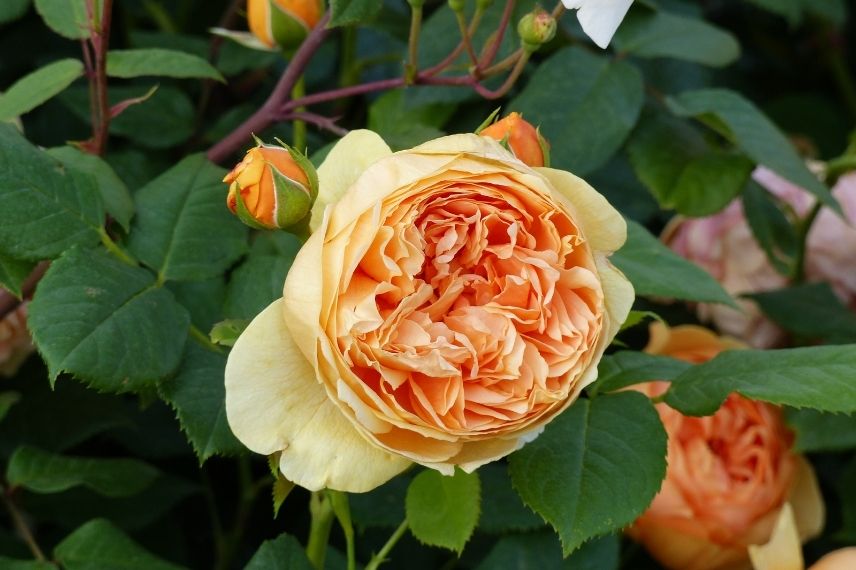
[599,18]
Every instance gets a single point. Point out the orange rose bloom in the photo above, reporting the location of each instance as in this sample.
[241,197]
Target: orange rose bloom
[283,22]
[729,474]
[521,137]
[449,303]
[259,179]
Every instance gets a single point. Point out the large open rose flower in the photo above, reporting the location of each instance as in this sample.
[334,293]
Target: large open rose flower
[449,303]
[729,474]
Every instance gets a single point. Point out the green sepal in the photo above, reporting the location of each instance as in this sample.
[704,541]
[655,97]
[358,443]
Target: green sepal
[226,333]
[286,30]
[293,200]
[306,166]
[491,119]
[545,146]
[244,214]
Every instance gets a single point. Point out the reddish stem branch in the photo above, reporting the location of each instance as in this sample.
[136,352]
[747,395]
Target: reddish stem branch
[269,112]
[320,121]
[493,49]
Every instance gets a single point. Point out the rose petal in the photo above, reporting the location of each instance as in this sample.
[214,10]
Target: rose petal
[783,551]
[808,505]
[345,163]
[599,18]
[273,403]
[601,224]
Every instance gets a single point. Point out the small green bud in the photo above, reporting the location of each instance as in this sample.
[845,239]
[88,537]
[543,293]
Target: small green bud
[536,29]
[457,5]
[483,4]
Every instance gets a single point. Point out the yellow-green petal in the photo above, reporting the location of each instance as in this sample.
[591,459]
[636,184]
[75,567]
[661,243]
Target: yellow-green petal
[347,160]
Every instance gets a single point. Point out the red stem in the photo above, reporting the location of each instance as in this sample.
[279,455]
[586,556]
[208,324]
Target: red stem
[268,112]
[491,52]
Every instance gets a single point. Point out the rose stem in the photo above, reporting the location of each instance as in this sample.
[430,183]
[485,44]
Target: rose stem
[319,528]
[380,557]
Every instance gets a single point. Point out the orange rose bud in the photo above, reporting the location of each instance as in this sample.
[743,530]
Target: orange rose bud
[273,187]
[283,23]
[521,138]
[729,476]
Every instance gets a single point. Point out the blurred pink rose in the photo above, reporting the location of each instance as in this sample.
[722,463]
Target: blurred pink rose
[15,343]
[724,246]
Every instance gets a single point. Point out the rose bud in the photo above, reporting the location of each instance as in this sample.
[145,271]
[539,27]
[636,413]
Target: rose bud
[283,23]
[519,136]
[536,29]
[729,475]
[15,342]
[272,188]
[450,302]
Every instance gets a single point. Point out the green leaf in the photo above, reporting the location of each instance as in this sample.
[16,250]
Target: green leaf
[11,10]
[12,564]
[44,472]
[502,509]
[117,199]
[811,311]
[585,104]
[183,229]
[226,333]
[382,507]
[575,474]
[44,208]
[106,323]
[280,491]
[739,120]
[258,281]
[404,126]
[13,273]
[98,545]
[540,551]
[128,63]
[682,170]
[626,368]
[656,270]
[635,318]
[834,11]
[441,510]
[68,18]
[350,12]
[817,377]
[163,120]
[198,396]
[280,553]
[776,235]
[820,431]
[37,87]
[656,33]
[203,299]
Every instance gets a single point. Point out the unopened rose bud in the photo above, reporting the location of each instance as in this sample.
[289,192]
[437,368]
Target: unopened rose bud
[272,188]
[536,29]
[283,23]
[457,5]
[521,138]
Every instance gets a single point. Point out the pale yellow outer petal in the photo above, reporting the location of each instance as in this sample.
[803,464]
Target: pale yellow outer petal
[841,559]
[807,502]
[601,224]
[470,143]
[302,294]
[274,403]
[347,160]
[783,551]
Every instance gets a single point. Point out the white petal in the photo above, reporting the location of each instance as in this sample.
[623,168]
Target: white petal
[599,18]
[274,403]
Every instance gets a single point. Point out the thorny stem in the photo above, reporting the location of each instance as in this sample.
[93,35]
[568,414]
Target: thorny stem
[21,525]
[96,68]
[380,557]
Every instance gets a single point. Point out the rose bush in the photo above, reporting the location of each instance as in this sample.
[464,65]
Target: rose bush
[729,474]
[449,303]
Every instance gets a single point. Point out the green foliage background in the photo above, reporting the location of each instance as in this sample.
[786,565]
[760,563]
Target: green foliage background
[114,444]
